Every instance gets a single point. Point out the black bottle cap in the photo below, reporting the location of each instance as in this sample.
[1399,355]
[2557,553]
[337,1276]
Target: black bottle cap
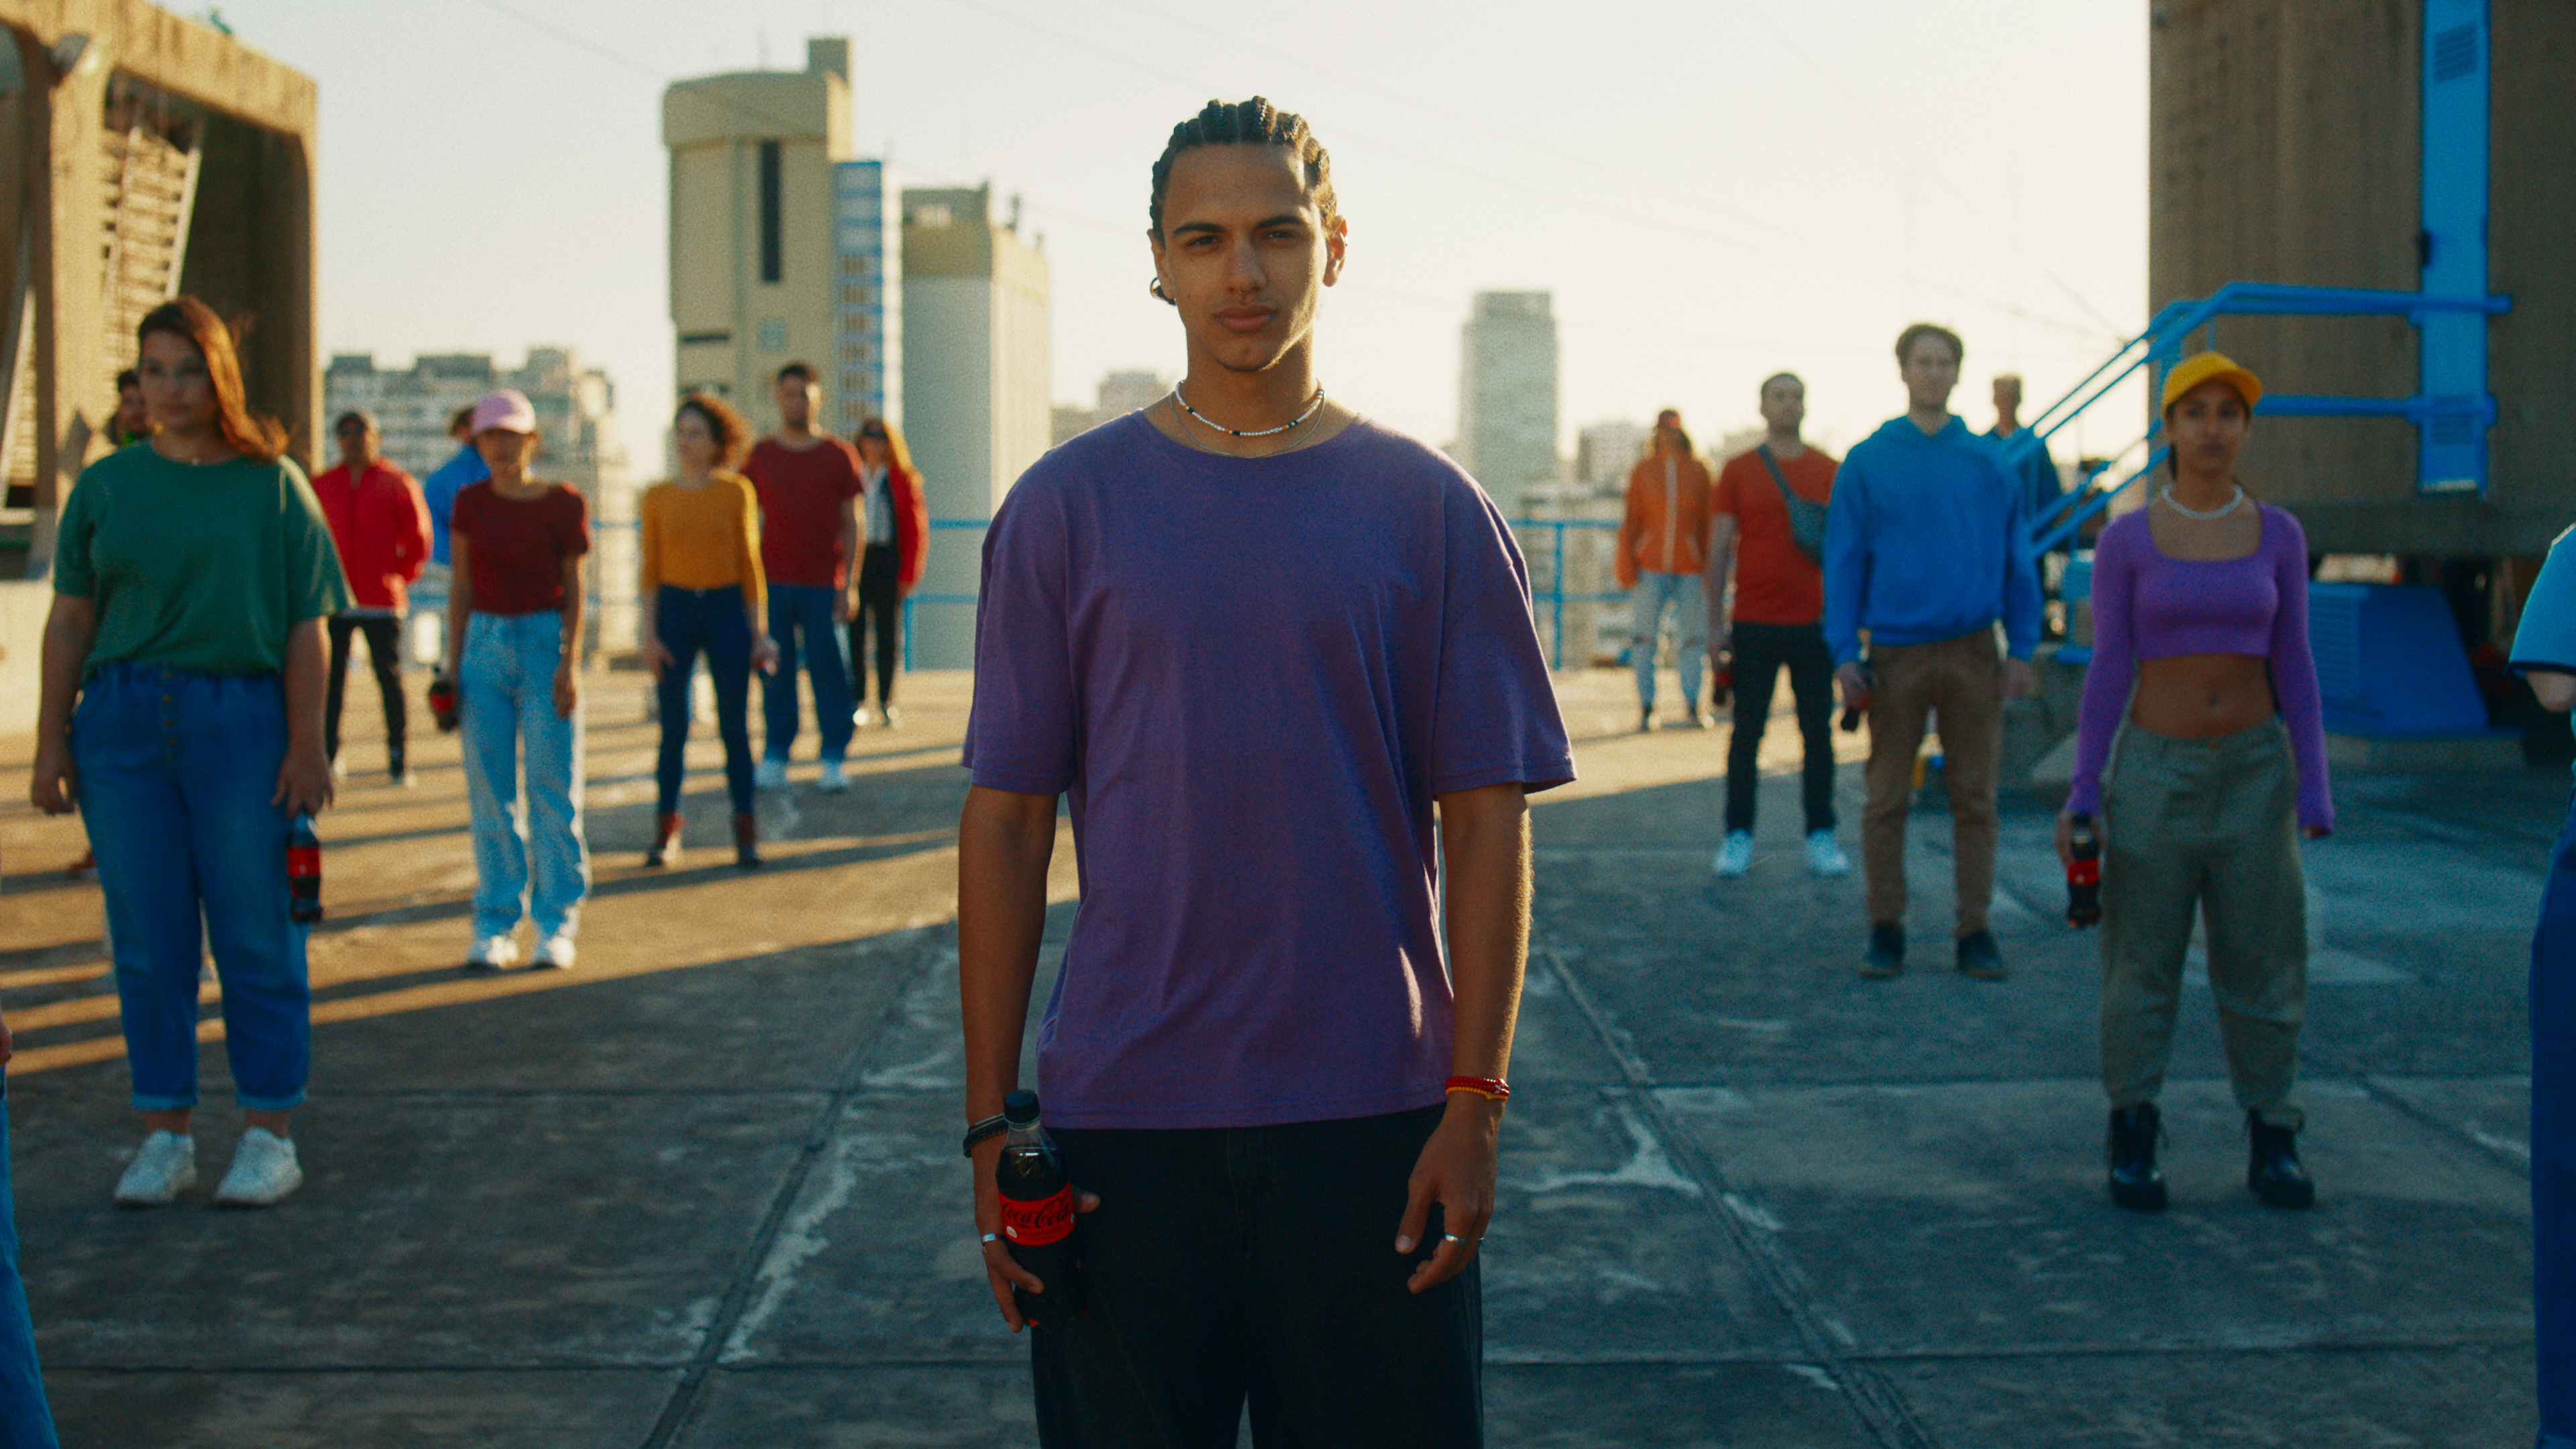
[1020,1108]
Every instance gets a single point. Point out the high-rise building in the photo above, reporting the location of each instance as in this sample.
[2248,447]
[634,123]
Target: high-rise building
[576,418]
[1507,395]
[864,374]
[975,384]
[1120,393]
[757,264]
[1605,452]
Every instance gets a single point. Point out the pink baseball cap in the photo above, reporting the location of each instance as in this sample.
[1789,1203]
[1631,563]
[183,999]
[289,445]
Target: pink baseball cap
[508,410]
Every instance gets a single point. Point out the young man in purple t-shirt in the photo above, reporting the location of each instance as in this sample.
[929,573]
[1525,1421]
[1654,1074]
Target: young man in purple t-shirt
[1262,645]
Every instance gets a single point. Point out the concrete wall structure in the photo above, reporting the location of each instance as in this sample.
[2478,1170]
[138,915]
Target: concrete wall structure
[193,156]
[976,382]
[2284,146]
[753,189]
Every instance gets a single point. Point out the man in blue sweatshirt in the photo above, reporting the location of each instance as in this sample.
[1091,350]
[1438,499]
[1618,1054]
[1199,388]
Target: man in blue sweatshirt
[1924,554]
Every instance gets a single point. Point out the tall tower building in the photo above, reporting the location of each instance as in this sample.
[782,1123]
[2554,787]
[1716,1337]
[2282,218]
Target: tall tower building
[1507,395]
[756,262]
[864,375]
[975,385]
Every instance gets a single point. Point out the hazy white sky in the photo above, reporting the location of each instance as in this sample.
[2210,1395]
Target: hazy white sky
[1713,190]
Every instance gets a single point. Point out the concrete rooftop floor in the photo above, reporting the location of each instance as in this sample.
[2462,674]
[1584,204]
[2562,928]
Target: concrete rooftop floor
[704,1190]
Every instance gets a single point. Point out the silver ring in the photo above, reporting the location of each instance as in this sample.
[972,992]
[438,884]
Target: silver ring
[1451,1238]
[992,1237]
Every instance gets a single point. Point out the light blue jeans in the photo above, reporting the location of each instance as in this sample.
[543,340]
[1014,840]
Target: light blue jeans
[506,695]
[1653,595]
[25,1422]
[175,769]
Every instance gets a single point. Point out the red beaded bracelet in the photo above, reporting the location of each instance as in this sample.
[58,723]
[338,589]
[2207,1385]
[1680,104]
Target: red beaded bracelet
[1492,1089]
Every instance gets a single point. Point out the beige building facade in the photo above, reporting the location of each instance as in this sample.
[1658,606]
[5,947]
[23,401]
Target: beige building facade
[754,279]
[976,363]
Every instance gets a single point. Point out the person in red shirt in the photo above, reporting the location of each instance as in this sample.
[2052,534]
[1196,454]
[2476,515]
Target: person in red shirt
[897,529]
[1778,617]
[380,523]
[808,483]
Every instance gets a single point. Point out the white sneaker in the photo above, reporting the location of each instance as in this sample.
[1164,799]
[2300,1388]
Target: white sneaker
[264,1171]
[1735,857]
[769,774]
[492,953]
[164,1167]
[555,952]
[1824,857]
[834,780]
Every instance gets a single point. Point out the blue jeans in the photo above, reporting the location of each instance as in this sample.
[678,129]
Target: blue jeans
[175,771]
[687,621]
[506,695]
[1688,597]
[25,1422]
[802,626]
[2553,1145]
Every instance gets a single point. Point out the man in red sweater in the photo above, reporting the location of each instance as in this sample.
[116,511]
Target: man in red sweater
[380,524]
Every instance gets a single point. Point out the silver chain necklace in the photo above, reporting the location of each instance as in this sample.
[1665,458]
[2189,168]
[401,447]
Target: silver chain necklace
[1249,432]
[2211,515]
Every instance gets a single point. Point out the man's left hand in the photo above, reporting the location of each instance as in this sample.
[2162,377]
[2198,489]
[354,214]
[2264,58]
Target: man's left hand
[2013,680]
[1456,1170]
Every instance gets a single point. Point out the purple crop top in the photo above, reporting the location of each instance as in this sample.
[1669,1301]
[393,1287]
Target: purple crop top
[2148,606]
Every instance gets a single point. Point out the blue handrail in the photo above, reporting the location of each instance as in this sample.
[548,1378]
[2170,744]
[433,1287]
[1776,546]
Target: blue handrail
[1549,600]
[2162,343]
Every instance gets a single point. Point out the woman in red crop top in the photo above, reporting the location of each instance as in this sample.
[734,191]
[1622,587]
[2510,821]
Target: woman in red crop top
[514,614]
[2200,632]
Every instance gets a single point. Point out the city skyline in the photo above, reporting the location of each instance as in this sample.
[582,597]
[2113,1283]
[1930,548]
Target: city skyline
[1712,194]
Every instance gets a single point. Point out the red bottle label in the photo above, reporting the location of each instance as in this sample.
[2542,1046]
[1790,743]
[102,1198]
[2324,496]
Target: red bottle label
[304,860]
[1036,1224]
[2084,871]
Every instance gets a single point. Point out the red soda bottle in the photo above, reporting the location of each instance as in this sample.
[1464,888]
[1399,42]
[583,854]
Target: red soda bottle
[1037,1215]
[303,872]
[2084,874]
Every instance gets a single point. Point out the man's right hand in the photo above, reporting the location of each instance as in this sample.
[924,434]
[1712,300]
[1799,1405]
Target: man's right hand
[1855,685]
[1002,1272]
[55,785]
[656,657]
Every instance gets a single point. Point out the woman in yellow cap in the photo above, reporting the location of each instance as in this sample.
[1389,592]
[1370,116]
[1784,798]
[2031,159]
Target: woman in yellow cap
[2200,601]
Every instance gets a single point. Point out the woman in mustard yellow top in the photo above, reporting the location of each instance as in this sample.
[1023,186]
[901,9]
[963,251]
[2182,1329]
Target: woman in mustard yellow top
[702,581]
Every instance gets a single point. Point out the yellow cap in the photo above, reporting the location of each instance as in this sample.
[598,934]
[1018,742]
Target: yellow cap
[2202,367]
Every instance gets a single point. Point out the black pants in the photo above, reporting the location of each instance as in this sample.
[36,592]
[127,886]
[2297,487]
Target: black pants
[1760,651]
[1257,1264]
[384,654]
[880,608]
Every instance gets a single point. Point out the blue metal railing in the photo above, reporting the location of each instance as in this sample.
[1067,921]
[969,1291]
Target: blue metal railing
[2162,344]
[1548,595]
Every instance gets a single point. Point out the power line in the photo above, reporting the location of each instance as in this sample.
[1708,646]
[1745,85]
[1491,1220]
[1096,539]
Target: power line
[1961,194]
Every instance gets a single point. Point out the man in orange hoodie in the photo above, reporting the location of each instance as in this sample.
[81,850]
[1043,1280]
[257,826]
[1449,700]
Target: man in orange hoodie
[1663,545]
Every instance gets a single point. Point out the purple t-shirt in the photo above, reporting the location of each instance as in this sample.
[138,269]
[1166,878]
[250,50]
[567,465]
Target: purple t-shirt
[1251,676]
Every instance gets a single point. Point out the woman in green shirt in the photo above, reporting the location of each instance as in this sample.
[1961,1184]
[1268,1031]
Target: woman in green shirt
[182,713]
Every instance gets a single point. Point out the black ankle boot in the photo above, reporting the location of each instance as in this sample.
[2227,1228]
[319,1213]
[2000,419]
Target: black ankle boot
[2135,1183]
[2272,1167]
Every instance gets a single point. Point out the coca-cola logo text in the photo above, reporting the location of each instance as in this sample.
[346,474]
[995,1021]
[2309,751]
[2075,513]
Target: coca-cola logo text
[1036,1224]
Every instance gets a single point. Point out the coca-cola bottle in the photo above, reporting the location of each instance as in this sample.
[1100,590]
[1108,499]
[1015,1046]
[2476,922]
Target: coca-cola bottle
[2083,874]
[1856,706]
[1037,1215]
[303,872]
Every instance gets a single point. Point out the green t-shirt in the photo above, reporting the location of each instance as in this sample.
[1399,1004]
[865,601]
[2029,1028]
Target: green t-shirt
[200,567]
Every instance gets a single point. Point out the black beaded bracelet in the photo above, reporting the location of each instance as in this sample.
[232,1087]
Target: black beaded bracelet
[990,1127]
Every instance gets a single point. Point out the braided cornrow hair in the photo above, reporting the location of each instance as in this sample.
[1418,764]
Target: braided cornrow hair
[1255,122]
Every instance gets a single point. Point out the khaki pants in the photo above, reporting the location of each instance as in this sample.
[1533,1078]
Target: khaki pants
[1957,679]
[2206,824]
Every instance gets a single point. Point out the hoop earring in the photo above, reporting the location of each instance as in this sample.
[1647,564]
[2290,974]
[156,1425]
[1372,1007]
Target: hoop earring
[1154,289]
